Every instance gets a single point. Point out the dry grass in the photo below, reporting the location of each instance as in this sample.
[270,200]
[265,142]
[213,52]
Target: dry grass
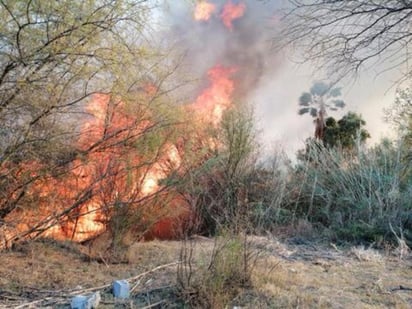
[324,278]
[367,254]
[52,265]
[286,275]
[215,278]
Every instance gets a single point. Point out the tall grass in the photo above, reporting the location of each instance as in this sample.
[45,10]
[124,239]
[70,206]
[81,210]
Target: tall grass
[356,193]
[217,279]
[218,188]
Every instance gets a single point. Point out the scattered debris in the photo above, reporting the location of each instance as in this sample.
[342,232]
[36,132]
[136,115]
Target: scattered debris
[286,273]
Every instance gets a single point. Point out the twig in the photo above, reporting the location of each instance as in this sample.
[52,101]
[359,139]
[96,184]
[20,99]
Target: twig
[157,289]
[154,305]
[103,259]
[335,247]
[131,279]
[148,272]
[10,297]
[82,291]
[33,302]
[403,247]
[90,289]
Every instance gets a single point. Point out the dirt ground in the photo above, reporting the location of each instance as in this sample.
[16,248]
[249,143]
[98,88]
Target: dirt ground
[292,273]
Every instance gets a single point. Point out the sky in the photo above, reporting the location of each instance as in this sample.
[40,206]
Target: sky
[270,82]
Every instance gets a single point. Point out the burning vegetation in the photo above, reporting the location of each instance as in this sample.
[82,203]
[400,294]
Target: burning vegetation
[95,142]
[105,142]
[112,171]
[232,12]
[118,162]
[204,10]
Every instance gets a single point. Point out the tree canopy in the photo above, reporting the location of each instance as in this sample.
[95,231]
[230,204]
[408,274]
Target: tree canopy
[321,96]
[346,131]
[54,54]
[54,57]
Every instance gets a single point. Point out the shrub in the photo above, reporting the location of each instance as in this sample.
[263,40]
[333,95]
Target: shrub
[357,193]
[268,194]
[218,278]
[218,188]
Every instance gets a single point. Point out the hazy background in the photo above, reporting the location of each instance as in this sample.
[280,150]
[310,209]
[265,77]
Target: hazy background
[269,81]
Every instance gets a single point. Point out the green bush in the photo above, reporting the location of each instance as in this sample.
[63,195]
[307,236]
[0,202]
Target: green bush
[218,187]
[356,193]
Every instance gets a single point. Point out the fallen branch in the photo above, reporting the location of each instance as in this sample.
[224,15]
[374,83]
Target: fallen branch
[30,304]
[82,291]
[59,298]
[154,305]
[148,272]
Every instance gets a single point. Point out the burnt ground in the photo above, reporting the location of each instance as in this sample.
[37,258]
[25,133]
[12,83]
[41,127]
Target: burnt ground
[292,273]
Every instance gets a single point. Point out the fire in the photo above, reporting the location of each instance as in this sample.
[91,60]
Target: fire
[204,10]
[158,171]
[214,100]
[231,12]
[111,169]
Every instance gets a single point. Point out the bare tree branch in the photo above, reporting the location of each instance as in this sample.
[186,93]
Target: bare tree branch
[345,36]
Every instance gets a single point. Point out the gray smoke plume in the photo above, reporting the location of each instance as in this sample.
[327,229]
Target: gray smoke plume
[270,82]
[246,46]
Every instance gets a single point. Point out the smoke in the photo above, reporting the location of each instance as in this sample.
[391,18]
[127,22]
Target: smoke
[228,33]
[269,82]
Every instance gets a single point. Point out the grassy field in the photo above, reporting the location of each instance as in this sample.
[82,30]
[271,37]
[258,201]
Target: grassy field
[292,273]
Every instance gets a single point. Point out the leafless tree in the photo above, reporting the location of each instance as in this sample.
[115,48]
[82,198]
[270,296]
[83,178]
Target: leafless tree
[344,36]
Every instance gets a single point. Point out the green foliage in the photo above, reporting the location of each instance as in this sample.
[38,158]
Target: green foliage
[346,131]
[361,191]
[268,193]
[361,232]
[218,185]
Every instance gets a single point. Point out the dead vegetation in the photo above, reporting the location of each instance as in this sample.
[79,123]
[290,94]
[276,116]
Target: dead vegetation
[285,274]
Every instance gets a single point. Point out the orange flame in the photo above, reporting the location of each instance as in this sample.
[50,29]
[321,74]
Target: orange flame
[231,12]
[112,170]
[217,98]
[109,169]
[204,10]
